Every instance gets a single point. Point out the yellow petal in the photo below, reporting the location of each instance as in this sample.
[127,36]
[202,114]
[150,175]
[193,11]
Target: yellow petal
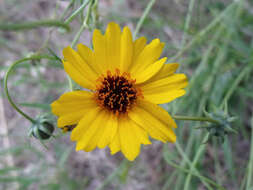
[115,144]
[87,128]
[94,140]
[73,101]
[70,118]
[130,144]
[72,106]
[140,133]
[126,49]
[167,69]
[139,45]
[99,54]
[173,82]
[86,54]
[84,123]
[113,35]
[149,55]
[164,97]
[87,138]
[153,125]
[75,95]
[110,129]
[77,76]
[149,71]
[77,67]
[137,137]
[164,90]
[158,112]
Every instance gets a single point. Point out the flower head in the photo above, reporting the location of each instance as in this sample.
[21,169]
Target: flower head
[126,80]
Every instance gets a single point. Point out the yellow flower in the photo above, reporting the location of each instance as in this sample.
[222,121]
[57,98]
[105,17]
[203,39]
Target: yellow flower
[126,80]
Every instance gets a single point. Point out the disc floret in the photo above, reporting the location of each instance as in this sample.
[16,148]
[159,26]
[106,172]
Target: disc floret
[116,92]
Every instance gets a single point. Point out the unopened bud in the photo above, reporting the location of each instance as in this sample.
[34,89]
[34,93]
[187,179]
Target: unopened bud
[223,125]
[42,129]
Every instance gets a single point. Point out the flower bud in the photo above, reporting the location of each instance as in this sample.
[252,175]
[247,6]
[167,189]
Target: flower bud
[222,126]
[42,129]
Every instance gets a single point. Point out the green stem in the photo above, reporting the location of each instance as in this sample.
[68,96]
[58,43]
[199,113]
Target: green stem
[236,82]
[34,57]
[33,24]
[187,22]
[68,20]
[203,32]
[84,25]
[143,17]
[250,166]
[66,10]
[185,157]
[95,14]
[217,166]
[193,173]
[77,36]
[44,45]
[192,118]
[199,153]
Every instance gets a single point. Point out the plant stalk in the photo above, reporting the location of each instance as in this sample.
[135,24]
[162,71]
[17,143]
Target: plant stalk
[34,57]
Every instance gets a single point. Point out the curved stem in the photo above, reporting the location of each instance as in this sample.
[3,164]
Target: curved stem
[34,57]
[192,118]
[33,24]
[143,17]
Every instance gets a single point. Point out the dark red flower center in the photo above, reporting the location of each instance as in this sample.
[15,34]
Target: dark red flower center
[116,93]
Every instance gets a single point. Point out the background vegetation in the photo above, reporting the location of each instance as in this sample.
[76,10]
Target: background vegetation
[213,42]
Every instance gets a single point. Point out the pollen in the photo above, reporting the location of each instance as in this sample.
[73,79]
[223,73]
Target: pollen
[117,92]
